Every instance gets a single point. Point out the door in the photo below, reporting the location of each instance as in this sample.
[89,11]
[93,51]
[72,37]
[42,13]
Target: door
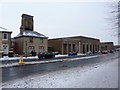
[5,49]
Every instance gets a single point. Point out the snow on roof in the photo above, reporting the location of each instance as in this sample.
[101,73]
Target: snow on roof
[28,33]
[4,30]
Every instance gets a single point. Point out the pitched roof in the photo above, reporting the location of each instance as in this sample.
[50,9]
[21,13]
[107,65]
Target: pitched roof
[4,30]
[77,37]
[28,33]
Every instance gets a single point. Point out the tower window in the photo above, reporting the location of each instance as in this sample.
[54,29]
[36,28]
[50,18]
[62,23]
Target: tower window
[31,39]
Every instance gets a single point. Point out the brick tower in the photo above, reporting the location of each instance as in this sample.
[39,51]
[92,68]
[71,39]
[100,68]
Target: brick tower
[26,23]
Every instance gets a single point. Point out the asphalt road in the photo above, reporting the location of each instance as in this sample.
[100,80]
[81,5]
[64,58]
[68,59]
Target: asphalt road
[13,73]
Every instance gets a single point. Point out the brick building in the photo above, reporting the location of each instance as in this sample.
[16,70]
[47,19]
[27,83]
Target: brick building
[106,46]
[79,44]
[29,40]
[5,40]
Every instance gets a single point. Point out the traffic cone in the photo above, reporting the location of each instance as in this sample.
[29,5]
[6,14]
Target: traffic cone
[21,60]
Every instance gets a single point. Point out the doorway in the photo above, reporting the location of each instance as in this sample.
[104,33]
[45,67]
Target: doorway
[5,49]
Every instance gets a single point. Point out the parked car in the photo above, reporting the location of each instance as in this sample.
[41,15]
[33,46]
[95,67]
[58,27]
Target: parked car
[56,53]
[33,53]
[105,52]
[117,49]
[99,52]
[111,51]
[72,53]
[46,55]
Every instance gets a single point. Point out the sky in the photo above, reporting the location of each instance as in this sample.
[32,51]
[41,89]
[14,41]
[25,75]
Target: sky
[61,19]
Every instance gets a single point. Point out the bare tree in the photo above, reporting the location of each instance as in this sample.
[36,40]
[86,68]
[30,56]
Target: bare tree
[119,19]
[115,20]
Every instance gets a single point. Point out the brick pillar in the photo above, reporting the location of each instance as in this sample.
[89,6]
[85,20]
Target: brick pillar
[67,48]
[71,47]
[79,47]
[88,47]
[62,51]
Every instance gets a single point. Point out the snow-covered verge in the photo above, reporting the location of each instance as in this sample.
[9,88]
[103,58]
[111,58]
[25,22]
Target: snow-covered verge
[44,62]
[100,75]
[16,58]
[34,57]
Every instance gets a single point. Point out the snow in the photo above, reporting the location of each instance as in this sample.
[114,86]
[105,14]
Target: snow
[36,57]
[43,62]
[100,75]
[4,30]
[59,55]
[16,58]
[31,34]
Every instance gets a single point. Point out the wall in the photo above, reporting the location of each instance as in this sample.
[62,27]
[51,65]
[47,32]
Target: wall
[106,46]
[22,44]
[84,41]
[79,42]
[56,44]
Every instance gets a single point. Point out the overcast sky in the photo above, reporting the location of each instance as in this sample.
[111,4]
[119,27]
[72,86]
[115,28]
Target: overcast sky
[61,19]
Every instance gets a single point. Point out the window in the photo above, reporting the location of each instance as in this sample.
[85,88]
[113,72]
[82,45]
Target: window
[41,48]
[31,48]
[31,39]
[90,47]
[87,48]
[83,48]
[98,47]
[41,40]
[4,36]
[73,47]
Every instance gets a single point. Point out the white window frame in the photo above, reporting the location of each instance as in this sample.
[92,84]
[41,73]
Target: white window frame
[42,48]
[3,36]
[31,48]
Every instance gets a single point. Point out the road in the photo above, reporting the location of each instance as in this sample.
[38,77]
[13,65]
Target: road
[13,73]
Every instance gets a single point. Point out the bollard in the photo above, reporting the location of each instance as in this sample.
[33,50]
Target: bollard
[21,60]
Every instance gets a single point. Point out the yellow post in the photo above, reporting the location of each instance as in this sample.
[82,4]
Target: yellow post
[21,60]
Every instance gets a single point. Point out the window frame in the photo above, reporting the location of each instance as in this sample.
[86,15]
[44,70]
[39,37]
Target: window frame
[31,48]
[31,39]
[42,47]
[41,40]
[3,34]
